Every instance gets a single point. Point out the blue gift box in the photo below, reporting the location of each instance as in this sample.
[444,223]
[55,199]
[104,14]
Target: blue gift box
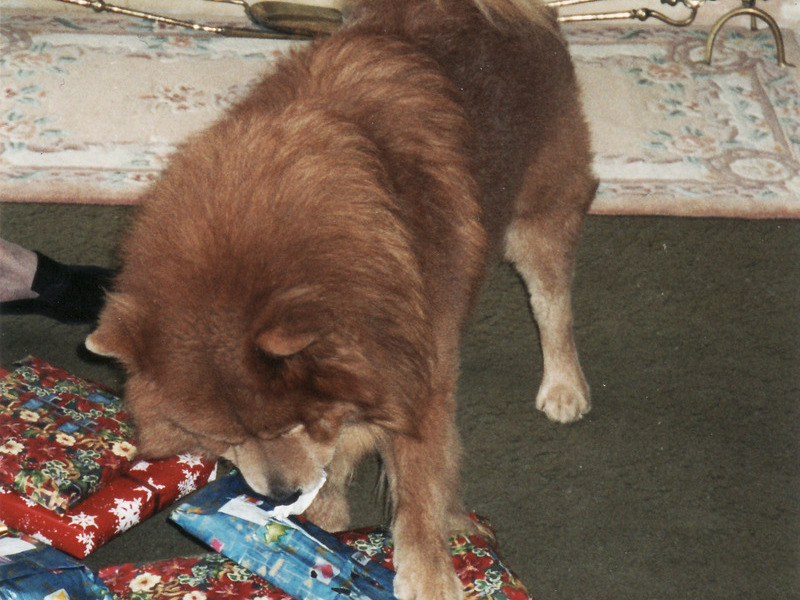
[296,556]
[30,570]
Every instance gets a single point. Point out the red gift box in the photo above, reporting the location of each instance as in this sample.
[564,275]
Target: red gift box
[62,438]
[117,505]
[475,555]
[145,489]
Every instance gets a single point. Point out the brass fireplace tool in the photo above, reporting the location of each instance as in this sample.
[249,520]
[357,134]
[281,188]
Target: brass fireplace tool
[748,8]
[276,20]
[289,20]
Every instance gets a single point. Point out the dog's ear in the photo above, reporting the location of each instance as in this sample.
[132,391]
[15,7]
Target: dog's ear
[113,337]
[278,342]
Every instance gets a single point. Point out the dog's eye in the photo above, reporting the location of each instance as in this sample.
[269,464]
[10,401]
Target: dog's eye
[269,360]
[293,429]
[282,432]
[297,427]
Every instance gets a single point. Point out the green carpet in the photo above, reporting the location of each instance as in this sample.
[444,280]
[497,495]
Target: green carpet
[682,483]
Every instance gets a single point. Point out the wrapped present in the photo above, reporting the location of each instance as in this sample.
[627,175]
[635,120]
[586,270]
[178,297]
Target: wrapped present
[65,461]
[200,578]
[61,438]
[475,557]
[214,576]
[294,555]
[146,488]
[31,570]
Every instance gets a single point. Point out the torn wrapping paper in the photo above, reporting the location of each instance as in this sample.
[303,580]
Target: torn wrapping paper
[31,570]
[145,489]
[295,556]
[61,438]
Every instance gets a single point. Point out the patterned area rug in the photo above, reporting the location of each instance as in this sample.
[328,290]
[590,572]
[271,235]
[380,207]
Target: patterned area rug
[93,107]
[678,137]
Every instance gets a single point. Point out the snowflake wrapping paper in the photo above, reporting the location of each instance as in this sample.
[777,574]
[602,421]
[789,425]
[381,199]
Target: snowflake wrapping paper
[31,570]
[145,489]
[61,438]
[268,550]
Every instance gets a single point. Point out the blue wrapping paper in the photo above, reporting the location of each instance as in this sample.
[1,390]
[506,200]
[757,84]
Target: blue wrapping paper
[30,570]
[296,556]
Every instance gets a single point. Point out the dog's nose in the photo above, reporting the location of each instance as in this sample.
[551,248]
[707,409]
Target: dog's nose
[282,496]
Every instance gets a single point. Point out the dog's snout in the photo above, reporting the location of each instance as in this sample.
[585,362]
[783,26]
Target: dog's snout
[280,496]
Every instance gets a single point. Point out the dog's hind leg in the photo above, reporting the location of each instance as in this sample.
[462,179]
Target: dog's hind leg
[541,242]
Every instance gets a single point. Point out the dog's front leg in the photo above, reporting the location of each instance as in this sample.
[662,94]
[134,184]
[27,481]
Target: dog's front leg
[423,477]
[330,510]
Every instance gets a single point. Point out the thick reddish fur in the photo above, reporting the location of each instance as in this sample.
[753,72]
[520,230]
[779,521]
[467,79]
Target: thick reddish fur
[294,288]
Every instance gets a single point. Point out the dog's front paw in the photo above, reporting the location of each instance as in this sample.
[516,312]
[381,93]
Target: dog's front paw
[427,581]
[563,403]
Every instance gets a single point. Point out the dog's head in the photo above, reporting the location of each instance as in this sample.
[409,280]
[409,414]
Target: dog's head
[274,398]
[265,339]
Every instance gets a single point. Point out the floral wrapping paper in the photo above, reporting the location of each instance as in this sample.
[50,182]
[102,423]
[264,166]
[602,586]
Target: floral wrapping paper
[202,578]
[146,488]
[476,560]
[61,438]
[314,564]
[214,576]
[31,570]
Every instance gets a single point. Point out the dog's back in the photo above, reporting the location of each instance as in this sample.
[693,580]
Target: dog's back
[469,102]
[516,83]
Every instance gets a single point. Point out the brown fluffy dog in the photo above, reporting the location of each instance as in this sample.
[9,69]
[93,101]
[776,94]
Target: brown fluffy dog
[294,288]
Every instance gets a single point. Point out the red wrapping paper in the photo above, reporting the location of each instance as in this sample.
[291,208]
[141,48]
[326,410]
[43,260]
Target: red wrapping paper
[202,578]
[476,560]
[122,500]
[147,488]
[62,438]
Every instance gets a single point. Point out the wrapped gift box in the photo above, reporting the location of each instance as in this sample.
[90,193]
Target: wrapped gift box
[296,556]
[476,560]
[206,577]
[145,489]
[311,564]
[61,438]
[47,413]
[31,570]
